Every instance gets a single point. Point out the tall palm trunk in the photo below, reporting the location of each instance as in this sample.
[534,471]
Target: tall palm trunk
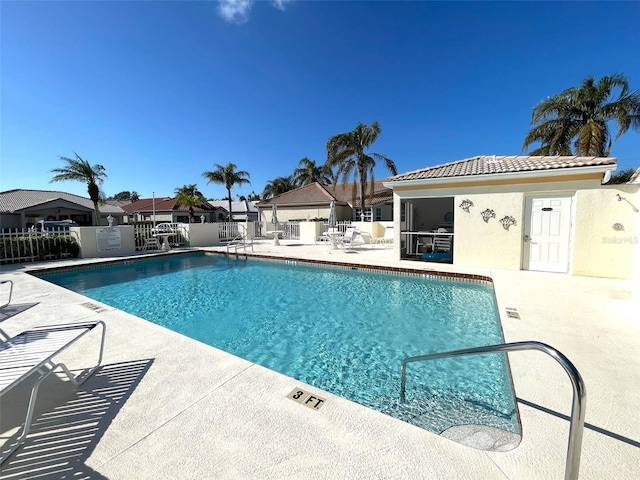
[94,195]
[363,193]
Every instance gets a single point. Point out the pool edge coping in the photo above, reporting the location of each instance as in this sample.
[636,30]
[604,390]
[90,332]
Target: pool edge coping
[417,272]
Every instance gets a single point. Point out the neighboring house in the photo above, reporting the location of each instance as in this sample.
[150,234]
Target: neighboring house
[547,214]
[23,208]
[313,201]
[242,211]
[165,210]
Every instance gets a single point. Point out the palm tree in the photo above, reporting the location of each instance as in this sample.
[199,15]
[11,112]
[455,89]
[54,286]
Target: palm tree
[622,176]
[227,176]
[577,119]
[308,172]
[78,169]
[190,197]
[346,152]
[278,186]
[253,197]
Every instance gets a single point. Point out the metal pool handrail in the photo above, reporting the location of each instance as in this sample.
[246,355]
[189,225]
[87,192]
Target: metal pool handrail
[576,426]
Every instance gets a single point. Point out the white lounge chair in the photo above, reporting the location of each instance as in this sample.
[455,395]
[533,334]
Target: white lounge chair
[33,351]
[10,283]
[387,237]
[351,238]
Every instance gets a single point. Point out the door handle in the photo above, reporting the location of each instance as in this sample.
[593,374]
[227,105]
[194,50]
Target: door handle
[527,238]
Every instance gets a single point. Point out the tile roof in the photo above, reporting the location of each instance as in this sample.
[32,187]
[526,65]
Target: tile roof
[495,164]
[145,204]
[242,206]
[15,200]
[342,193]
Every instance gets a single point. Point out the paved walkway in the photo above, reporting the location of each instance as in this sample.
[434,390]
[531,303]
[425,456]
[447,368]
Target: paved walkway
[165,406]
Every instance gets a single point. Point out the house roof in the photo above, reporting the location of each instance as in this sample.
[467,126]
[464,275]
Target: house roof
[341,193]
[163,204]
[635,178]
[12,201]
[243,206]
[495,164]
[144,204]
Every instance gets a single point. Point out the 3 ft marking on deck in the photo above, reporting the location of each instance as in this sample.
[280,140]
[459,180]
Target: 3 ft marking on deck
[307,399]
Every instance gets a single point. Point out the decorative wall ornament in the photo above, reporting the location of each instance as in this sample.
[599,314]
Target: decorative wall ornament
[487,214]
[466,204]
[507,222]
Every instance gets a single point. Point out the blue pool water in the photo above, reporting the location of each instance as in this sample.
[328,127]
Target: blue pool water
[341,330]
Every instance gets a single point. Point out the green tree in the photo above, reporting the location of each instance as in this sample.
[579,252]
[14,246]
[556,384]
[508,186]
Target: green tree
[78,169]
[228,176]
[308,172]
[347,153]
[278,186]
[253,197]
[134,196]
[189,196]
[122,196]
[576,121]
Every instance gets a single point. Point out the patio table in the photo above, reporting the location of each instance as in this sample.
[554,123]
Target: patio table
[165,240]
[276,236]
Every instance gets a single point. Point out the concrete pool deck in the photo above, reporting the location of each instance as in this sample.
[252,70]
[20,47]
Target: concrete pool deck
[165,406]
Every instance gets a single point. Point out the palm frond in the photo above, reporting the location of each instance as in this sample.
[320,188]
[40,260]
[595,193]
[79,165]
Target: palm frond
[580,116]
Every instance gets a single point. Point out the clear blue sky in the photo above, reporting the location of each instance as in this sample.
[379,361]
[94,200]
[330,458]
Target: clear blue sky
[160,91]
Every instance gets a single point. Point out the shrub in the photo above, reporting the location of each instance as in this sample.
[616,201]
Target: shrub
[37,247]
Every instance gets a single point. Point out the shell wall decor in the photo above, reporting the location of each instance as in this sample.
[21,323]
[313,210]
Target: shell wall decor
[487,214]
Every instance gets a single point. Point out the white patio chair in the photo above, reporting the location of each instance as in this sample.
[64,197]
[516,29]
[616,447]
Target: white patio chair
[442,243]
[151,243]
[335,238]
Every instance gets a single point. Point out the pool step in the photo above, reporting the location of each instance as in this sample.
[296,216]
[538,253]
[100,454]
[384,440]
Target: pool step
[459,420]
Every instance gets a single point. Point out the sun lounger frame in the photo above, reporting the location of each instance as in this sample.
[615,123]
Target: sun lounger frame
[10,282]
[33,351]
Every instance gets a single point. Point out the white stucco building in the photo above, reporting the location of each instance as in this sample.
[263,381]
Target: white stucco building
[553,214]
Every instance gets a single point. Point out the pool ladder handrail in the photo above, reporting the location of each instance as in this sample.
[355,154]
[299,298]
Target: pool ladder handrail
[576,426]
[239,241]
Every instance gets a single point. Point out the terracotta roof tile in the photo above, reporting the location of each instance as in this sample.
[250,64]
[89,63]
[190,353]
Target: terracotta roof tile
[494,164]
[342,193]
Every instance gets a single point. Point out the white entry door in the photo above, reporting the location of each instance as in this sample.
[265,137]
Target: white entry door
[547,233]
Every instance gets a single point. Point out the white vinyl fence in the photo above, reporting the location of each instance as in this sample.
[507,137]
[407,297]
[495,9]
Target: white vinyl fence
[340,226]
[26,245]
[144,230]
[291,230]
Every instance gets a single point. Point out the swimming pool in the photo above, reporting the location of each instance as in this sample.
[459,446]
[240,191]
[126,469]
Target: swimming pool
[341,330]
